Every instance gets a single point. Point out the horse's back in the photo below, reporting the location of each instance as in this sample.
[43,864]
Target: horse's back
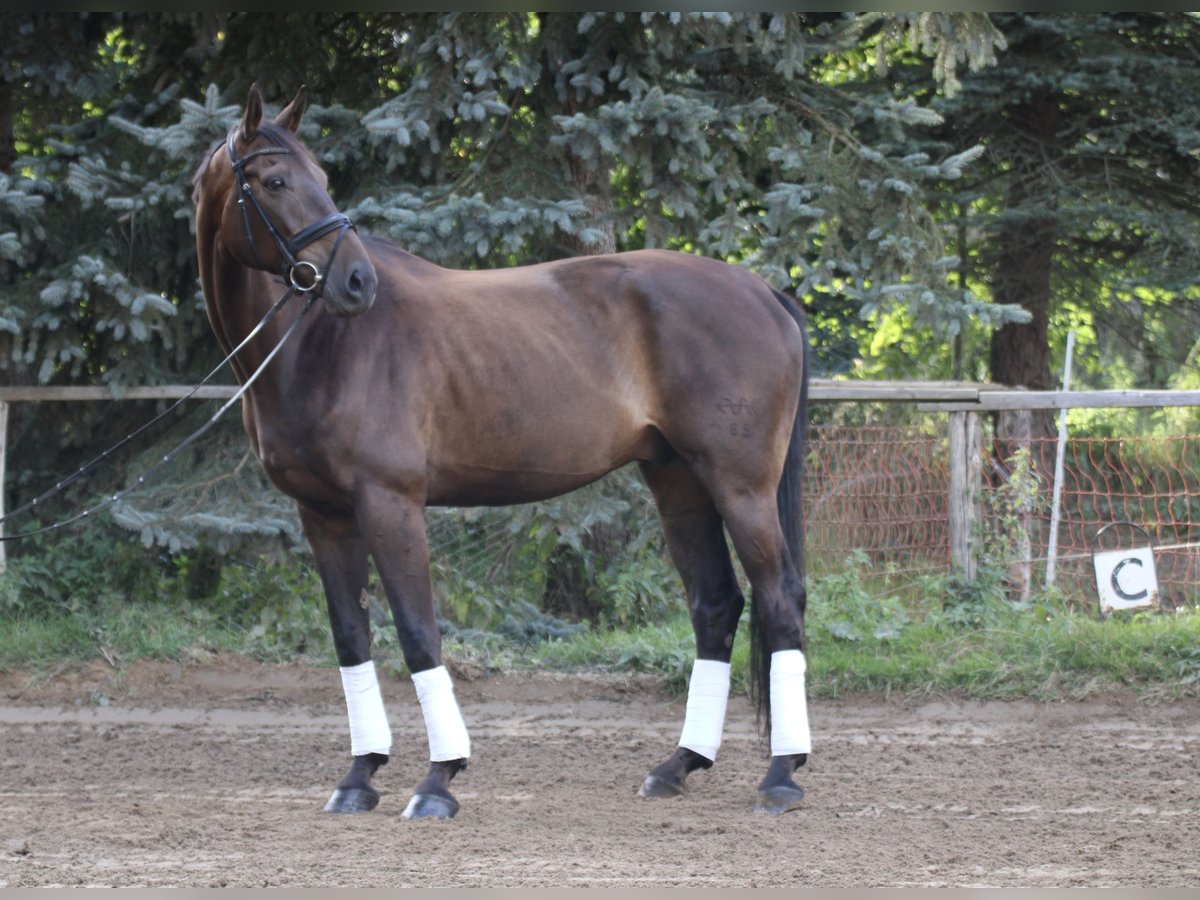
[686,313]
[538,379]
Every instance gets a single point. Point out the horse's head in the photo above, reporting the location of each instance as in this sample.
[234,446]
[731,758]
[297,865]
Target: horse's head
[267,200]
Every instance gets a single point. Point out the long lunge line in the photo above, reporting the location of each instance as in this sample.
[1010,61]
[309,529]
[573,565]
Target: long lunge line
[87,467]
[182,445]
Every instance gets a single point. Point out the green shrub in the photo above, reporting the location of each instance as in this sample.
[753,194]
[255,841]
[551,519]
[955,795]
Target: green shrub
[594,556]
[80,572]
[844,607]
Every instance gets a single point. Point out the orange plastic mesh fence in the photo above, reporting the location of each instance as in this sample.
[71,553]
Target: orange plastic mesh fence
[879,490]
[1150,481]
[884,491]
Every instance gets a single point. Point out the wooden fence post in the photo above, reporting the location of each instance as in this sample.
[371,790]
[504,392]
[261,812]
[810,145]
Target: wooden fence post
[966,469]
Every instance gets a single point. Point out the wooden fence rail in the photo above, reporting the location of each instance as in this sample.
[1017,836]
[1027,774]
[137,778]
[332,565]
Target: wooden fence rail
[965,402]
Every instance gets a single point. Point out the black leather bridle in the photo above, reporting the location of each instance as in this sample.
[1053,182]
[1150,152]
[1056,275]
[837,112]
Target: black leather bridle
[289,248]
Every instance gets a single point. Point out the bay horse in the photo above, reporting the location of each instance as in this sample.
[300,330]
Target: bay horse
[412,385]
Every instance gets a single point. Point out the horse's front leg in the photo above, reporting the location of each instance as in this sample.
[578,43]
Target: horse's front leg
[395,526]
[341,557]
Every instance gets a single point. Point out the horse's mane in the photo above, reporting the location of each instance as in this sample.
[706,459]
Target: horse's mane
[200,169]
[275,134]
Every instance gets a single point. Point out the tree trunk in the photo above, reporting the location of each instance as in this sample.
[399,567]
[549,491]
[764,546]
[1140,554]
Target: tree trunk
[1020,352]
[597,193]
[1024,261]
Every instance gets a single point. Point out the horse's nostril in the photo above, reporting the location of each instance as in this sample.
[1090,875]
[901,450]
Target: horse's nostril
[360,284]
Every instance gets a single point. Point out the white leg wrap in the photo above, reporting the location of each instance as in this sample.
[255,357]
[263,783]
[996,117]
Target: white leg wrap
[369,731]
[448,737]
[708,695]
[789,705]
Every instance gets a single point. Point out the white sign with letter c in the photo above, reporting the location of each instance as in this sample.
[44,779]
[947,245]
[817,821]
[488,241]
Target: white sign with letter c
[1126,579]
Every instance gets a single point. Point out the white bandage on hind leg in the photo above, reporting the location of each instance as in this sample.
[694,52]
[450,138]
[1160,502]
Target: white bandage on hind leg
[708,695]
[789,705]
[448,737]
[369,731]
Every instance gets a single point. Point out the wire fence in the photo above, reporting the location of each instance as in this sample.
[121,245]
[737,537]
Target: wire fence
[1150,481]
[879,493]
[873,492]
[884,491]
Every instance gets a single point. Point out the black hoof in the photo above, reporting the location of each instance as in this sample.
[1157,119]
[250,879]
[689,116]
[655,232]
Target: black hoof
[430,806]
[779,798]
[661,788]
[668,779]
[352,800]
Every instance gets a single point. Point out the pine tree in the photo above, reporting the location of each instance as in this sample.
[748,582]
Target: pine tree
[717,133]
[1084,207]
[474,140]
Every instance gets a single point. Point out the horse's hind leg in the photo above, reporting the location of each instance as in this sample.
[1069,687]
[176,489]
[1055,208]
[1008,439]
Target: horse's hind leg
[752,518]
[342,562]
[696,540]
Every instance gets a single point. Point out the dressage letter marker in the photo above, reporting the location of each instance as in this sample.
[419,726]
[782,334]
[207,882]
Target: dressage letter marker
[708,695]
[1126,579]
[369,731]
[789,706]
[448,737]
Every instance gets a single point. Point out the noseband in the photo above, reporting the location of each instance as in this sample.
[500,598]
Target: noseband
[288,248]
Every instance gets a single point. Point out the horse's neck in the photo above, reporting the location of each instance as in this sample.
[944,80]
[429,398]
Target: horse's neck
[237,299]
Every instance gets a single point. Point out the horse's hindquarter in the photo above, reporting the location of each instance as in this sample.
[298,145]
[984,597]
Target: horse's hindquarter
[544,378]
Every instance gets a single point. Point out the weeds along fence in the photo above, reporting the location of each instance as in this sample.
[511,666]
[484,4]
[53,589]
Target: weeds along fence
[905,506]
[1151,481]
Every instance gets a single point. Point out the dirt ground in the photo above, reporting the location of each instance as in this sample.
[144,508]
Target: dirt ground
[215,772]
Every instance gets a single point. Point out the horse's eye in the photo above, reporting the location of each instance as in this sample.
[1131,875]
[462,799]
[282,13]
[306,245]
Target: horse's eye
[275,183]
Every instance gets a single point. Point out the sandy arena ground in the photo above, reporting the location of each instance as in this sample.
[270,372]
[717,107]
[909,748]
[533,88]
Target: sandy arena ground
[214,773]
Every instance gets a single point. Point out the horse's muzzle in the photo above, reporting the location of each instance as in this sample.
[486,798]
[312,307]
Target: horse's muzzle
[353,293]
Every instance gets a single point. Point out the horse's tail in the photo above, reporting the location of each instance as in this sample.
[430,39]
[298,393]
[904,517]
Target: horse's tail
[790,499]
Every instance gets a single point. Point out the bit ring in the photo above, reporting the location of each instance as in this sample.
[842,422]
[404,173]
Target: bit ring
[316,276]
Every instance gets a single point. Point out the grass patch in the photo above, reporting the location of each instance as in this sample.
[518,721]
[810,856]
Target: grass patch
[667,649]
[968,639]
[40,643]
[1015,656]
[965,640]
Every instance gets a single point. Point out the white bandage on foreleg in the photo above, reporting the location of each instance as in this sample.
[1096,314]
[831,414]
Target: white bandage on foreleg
[708,695]
[448,737]
[369,731]
[789,705]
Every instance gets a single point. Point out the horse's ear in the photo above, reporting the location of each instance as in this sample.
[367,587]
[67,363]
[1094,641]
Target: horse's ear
[254,113]
[291,115]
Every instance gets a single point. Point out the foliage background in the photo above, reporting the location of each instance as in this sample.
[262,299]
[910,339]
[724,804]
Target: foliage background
[946,193]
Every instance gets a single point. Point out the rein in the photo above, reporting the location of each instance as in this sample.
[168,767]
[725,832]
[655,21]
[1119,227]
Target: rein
[301,276]
[182,445]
